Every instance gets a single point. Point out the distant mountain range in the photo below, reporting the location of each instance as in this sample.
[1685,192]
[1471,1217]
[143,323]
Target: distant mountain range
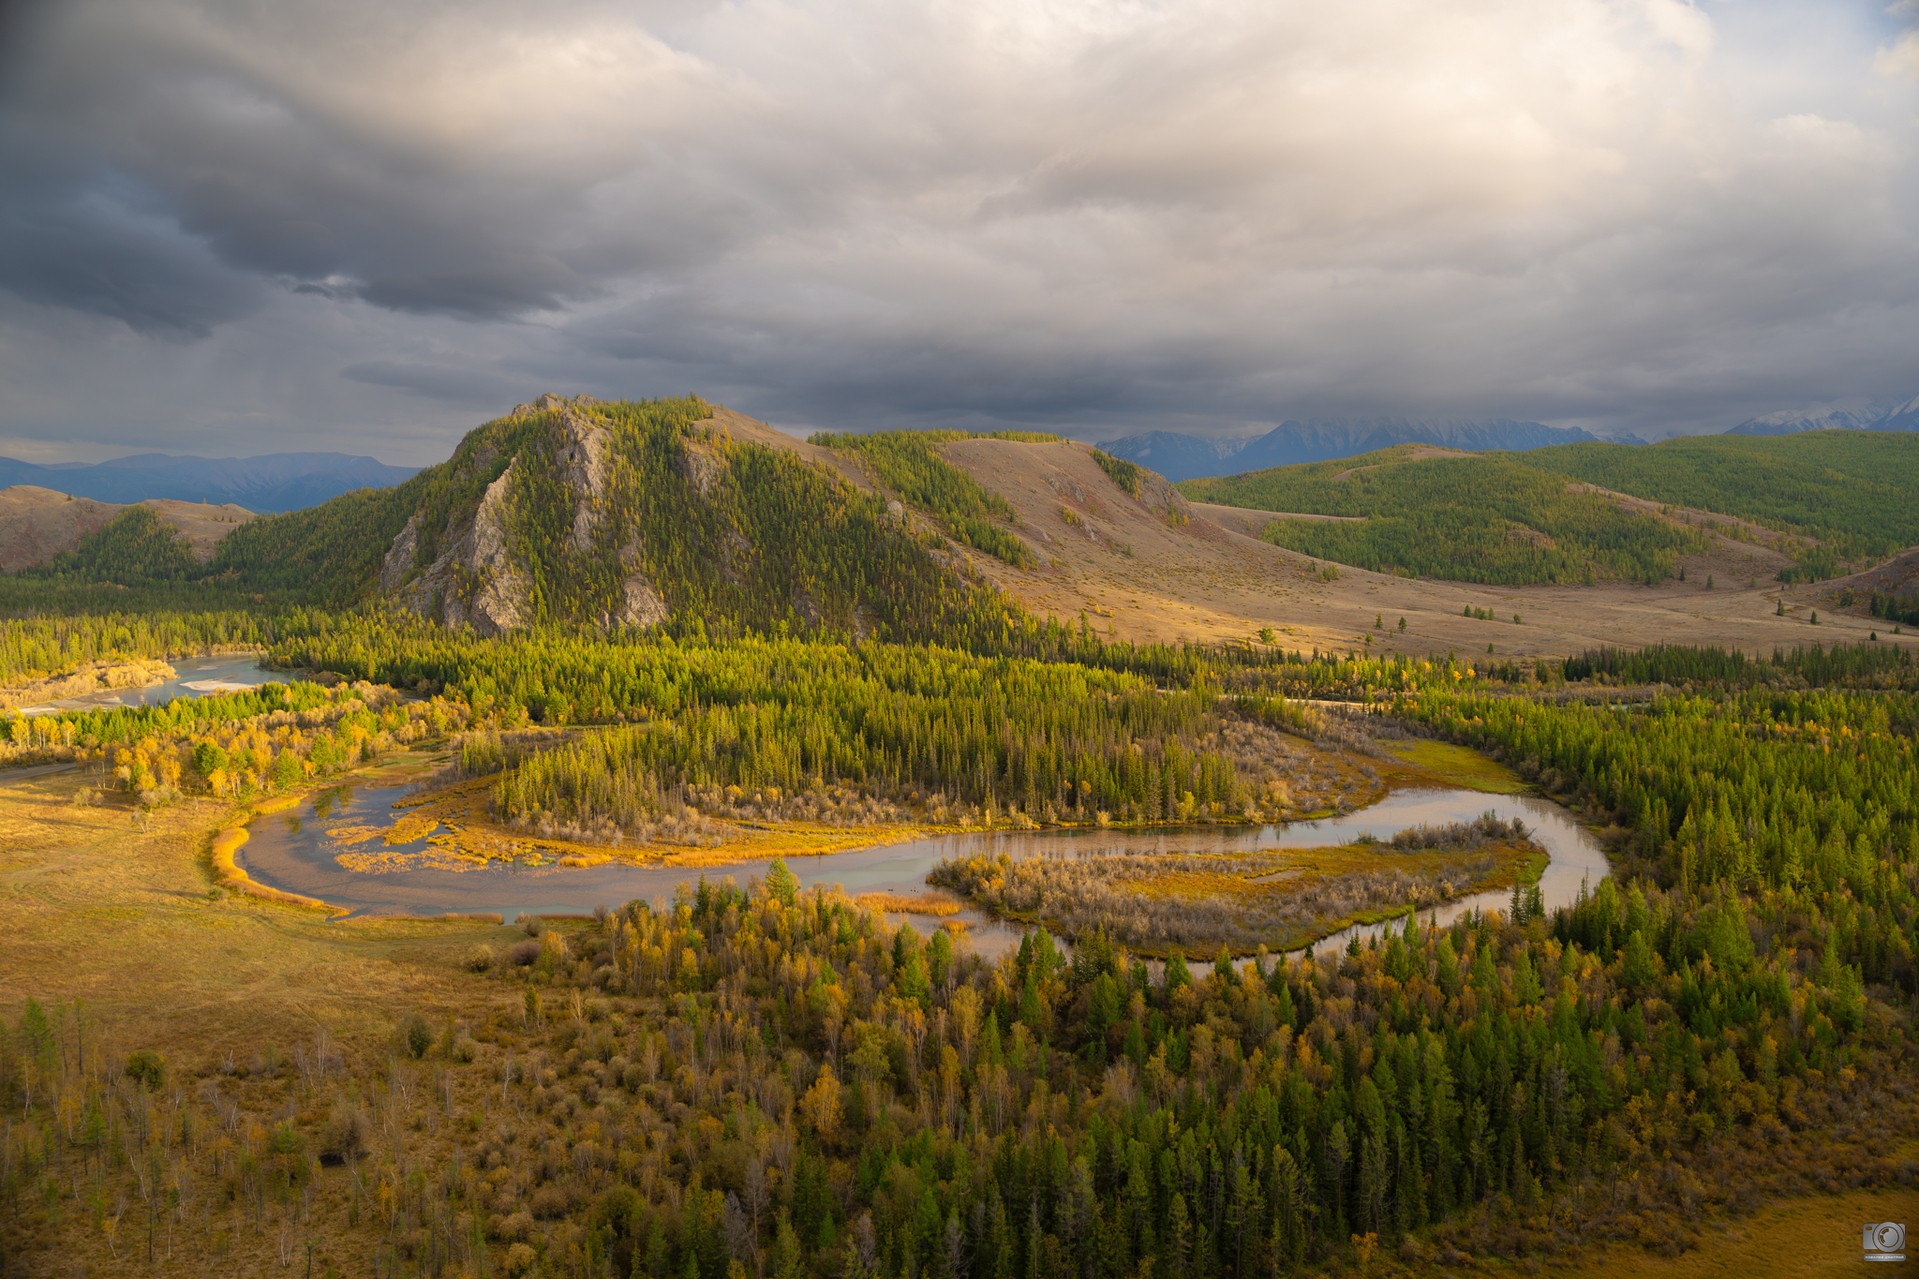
[270,483]
[1186,457]
[1179,456]
[1882,415]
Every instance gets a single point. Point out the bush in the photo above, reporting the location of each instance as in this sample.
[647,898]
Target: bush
[345,1138]
[148,1069]
[480,959]
[416,1035]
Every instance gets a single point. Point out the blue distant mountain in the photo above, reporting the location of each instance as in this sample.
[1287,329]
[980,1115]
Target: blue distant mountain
[1178,456]
[1879,415]
[268,484]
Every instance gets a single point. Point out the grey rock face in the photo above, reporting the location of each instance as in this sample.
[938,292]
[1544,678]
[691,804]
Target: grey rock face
[472,581]
[400,557]
[580,452]
[475,580]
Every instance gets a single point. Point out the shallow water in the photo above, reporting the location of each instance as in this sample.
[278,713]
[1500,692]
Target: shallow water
[193,677]
[292,851]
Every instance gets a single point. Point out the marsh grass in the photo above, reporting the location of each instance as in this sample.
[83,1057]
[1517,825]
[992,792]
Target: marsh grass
[110,906]
[1280,899]
[937,905]
[1427,761]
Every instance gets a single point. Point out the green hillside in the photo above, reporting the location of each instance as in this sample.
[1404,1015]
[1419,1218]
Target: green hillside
[328,554]
[1508,518]
[134,546]
[600,514]
[909,464]
[1481,518]
[1856,491]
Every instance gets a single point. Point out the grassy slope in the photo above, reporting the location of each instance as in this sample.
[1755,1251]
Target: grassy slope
[909,464]
[1857,490]
[135,545]
[1467,518]
[1482,518]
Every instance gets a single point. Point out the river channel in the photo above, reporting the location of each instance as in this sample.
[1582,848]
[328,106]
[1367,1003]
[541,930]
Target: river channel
[293,851]
[192,677]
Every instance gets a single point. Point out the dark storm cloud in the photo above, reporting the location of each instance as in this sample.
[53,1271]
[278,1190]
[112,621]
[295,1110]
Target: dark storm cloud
[394,218]
[366,152]
[102,257]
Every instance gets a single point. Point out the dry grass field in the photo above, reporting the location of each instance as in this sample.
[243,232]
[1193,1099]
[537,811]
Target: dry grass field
[119,911]
[1204,575]
[1793,1239]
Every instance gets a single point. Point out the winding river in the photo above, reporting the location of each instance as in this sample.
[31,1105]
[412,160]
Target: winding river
[292,851]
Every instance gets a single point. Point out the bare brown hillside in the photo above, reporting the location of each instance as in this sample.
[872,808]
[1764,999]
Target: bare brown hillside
[1897,577]
[1137,571]
[37,524]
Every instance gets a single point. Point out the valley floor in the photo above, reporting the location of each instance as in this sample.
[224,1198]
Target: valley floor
[1137,575]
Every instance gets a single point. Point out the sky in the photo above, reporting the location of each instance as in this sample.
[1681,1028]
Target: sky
[246,226]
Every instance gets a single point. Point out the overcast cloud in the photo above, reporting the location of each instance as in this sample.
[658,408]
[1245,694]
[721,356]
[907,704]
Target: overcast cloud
[233,226]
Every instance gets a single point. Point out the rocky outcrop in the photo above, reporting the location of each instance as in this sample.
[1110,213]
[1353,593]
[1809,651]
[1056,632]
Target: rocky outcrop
[580,452]
[702,466]
[473,580]
[499,601]
[400,557]
[548,402]
[643,605]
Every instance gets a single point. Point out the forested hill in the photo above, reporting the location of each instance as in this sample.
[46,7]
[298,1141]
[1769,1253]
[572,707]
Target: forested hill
[630,514]
[1839,499]
[626,514]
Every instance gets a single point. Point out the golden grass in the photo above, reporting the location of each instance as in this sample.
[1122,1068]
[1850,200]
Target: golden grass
[111,907]
[225,844]
[1791,1239]
[1278,873]
[458,816]
[1296,868]
[937,905]
[385,861]
[230,874]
